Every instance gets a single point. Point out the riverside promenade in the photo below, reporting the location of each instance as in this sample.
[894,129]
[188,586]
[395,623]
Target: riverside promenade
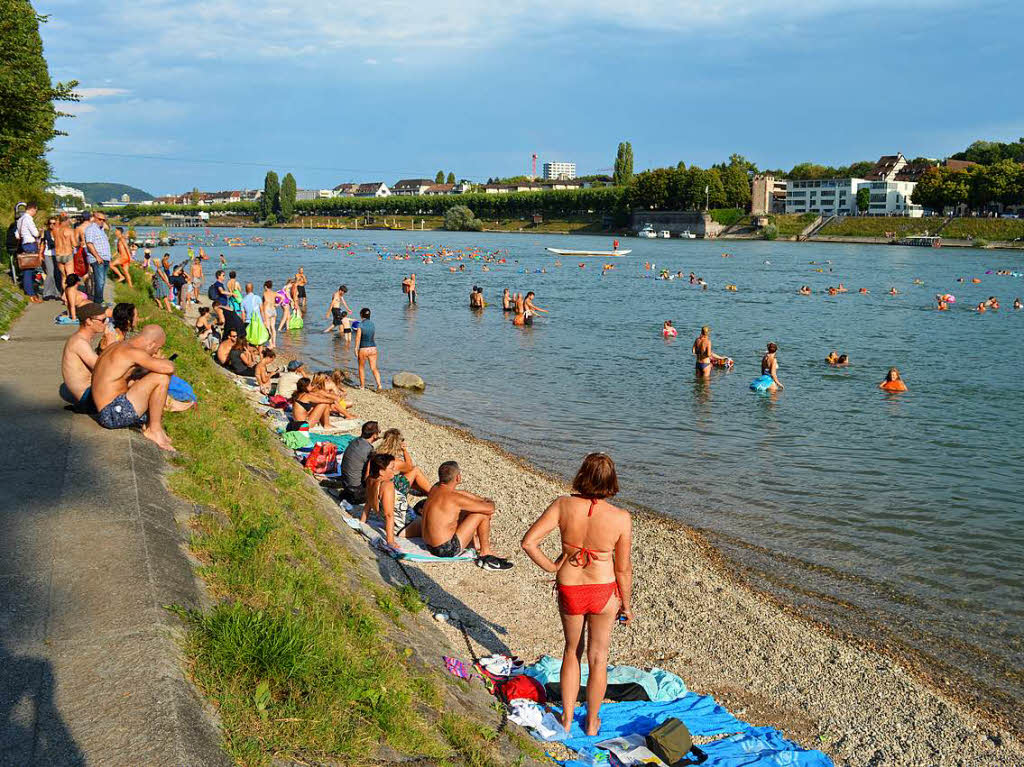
[92,551]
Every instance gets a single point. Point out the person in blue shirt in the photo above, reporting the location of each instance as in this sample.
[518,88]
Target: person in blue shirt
[366,349]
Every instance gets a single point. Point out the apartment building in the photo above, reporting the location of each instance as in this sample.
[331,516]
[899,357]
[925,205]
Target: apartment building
[559,170]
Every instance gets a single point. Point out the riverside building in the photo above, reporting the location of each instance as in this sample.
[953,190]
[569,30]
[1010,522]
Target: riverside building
[890,185]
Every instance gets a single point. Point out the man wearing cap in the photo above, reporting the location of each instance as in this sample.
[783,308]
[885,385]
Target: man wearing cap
[79,357]
[287,381]
[98,247]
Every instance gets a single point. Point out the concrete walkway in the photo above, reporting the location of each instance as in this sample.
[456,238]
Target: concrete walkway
[91,551]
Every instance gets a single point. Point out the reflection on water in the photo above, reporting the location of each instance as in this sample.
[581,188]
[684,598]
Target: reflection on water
[902,509]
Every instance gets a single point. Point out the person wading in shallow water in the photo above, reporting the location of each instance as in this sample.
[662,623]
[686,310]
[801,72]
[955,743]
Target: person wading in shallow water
[594,576]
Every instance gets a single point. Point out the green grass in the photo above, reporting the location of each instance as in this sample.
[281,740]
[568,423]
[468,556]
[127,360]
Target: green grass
[12,303]
[728,216]
[984,228]
[791,224]
[297,654]
[878,226]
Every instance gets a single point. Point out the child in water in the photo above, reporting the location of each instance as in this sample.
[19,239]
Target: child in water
[892,381]
[667,330]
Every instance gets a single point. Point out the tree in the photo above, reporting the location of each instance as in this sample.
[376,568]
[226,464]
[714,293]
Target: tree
[195,195]
[460,218]
[650,189]
[288,191]
[736,177]
[27,96]
[270,202]
[451,178]
[863,199]
[623,169]
[439,178]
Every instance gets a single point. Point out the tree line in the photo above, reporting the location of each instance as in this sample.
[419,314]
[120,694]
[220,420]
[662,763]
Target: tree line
[977,186]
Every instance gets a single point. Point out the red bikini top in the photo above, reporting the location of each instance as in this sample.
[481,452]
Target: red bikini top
[584,556]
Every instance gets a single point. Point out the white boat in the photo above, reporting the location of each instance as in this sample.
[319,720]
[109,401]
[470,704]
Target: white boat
[686,234]
[605,253]
[647,232]
[664,234]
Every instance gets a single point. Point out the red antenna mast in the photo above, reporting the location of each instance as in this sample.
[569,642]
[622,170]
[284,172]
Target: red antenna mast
[533,175]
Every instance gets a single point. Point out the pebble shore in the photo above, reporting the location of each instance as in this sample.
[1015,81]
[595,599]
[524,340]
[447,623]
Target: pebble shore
[691,618]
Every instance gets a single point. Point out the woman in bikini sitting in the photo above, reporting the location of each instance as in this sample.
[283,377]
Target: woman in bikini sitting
[310,406]
[407,474]
[594,577]
[399,520]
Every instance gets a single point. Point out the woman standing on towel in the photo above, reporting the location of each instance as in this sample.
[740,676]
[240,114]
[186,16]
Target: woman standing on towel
[594,577]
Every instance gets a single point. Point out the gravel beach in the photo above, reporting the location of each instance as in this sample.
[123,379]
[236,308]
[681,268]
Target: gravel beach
[692,618]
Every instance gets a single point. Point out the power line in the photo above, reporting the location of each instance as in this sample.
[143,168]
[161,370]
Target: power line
[164,158]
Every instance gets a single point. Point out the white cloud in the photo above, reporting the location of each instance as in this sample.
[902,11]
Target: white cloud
[76,108]
[235,30]
[98,93]
[371,62]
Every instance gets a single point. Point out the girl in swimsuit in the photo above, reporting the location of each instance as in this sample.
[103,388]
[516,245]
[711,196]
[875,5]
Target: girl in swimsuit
[283,298]
[594,577]
[399,520]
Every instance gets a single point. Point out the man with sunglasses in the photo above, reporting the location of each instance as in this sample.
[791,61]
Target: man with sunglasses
[98,246]
[79,357]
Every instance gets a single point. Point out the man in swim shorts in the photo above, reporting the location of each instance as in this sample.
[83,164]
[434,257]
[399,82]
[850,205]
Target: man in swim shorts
[120,405]
[79,357]
[300,289]
[453,518]
[702,351]
[63,246]
[335,312]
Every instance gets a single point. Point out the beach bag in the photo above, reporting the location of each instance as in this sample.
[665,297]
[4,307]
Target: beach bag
[295,322]
[323,458]
[277,401]
[670,741]
[521,686]
[81,267]
[257,333]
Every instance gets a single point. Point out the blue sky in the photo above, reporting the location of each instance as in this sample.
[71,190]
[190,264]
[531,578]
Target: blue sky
[214,93]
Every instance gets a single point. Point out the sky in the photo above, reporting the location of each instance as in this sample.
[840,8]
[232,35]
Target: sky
[214,93]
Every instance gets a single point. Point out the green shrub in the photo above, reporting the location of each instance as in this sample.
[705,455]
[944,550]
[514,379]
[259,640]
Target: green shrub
[770,232]
[727,216]
[461,219]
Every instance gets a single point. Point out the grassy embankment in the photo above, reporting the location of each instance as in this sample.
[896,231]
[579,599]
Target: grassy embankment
[728,216]
[302,656]
[991,229]
[791,224]
[12,303]
[872,226]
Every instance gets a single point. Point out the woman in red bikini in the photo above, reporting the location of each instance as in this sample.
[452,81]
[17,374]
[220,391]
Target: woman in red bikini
[594,577]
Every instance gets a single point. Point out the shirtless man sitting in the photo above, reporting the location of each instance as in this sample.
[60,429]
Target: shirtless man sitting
[121,397]
[79,357]
[453,518]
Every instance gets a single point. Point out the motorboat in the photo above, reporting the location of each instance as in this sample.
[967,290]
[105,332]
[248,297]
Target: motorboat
[686,234]
[603,253]
[664,234]
[647,232]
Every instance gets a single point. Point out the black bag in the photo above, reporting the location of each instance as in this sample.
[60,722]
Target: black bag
[670,741]
[212,293]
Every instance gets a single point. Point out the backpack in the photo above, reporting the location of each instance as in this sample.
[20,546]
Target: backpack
[323,458]
[212,293]
[670,741]
[521,686]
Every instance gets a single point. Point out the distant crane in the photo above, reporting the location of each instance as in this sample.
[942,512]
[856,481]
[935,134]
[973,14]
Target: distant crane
[533,174]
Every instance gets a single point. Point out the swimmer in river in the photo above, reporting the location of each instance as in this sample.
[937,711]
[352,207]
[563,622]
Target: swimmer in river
[476,298]
[863,291]
[843,361]
[506,301]
[805,290]
[892,381]
[942,306]
[841,289]
[702,351]
[530,308]
[992,303]
[770,369]
[893,292]
[832,358]
[981,308]
[1018,305]
[667,330]
[833,291]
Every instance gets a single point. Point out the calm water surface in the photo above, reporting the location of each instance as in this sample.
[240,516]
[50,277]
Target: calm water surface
[898,515]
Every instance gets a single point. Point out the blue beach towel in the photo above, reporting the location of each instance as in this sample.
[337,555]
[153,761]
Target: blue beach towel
[659,685]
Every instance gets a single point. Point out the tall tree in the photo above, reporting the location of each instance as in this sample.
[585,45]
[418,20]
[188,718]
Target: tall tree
[27,96]
[622,173]
[195,195]
[451,178]
[617,167]
[439,178]
[863,199]
[288,190]
[270,202]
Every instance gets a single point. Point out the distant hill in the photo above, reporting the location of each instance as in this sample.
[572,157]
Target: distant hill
[101,191]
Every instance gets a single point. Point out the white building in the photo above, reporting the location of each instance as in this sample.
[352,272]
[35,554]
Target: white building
[373,189]
[559,170]
[63,190]
[892,198]
[410,187]
[827,196]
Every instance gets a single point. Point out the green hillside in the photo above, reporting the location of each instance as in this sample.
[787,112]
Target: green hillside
[101,191]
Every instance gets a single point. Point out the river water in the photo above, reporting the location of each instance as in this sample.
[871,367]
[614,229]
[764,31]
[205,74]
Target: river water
[898,517]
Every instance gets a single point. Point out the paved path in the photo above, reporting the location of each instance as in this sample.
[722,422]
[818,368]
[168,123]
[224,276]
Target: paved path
[91,549]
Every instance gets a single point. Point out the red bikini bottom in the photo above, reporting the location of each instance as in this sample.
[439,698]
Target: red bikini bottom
[586,598]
